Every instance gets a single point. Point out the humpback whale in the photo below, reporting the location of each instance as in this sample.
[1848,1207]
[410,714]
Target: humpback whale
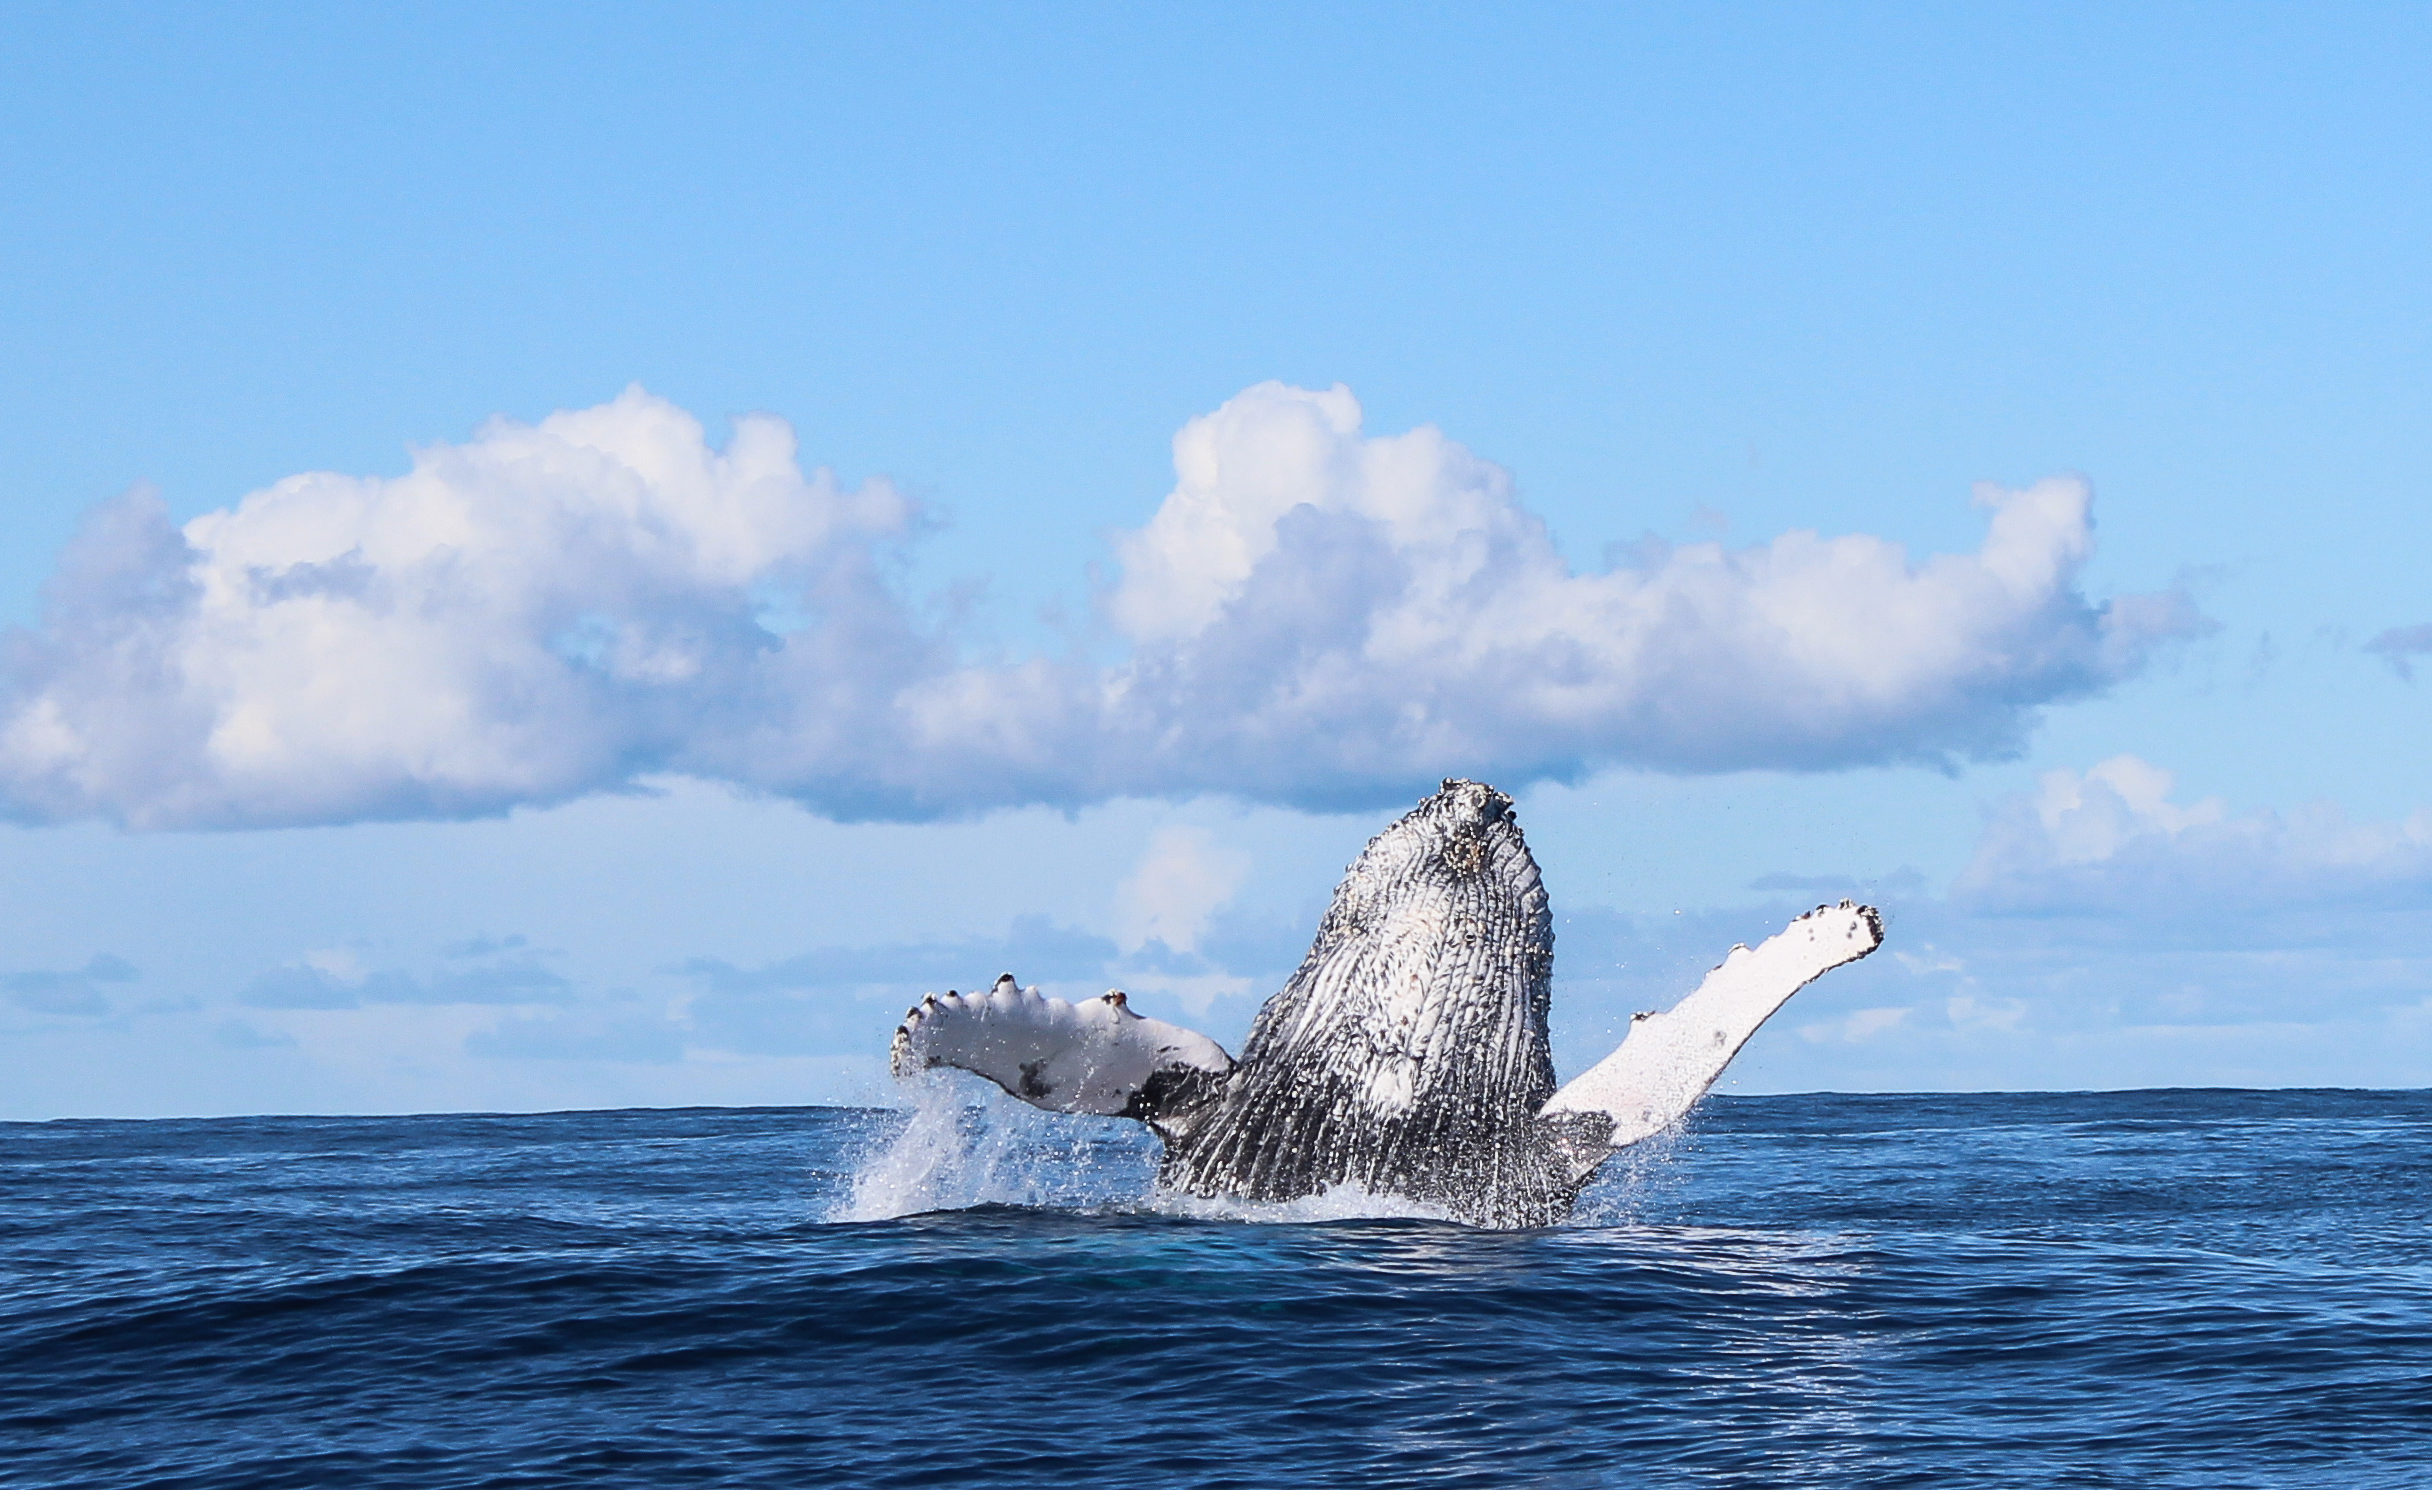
[1408,1055]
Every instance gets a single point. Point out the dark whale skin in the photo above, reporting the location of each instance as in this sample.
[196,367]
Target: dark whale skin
[1408,1055]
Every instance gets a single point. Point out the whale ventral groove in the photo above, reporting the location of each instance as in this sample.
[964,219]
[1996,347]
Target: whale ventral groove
[1408,1054]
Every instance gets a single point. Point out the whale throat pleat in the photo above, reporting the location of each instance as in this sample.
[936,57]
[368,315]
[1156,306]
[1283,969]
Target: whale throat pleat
[1408,1054]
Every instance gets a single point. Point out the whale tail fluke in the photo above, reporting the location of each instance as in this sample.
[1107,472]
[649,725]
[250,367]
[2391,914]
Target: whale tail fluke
[1096,1056]
[1668,1060]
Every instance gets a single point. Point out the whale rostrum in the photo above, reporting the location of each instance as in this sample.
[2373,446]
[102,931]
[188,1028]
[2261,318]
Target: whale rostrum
[1408,1055]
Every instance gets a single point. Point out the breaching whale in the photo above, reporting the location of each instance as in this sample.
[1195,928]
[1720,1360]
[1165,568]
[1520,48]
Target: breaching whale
[1408,1055]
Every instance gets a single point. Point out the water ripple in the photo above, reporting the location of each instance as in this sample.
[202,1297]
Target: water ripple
[2138,1289]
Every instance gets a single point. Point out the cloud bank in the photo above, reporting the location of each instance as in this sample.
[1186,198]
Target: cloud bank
[2106,932]
[1314,617]
[2109,843]
[2111,930]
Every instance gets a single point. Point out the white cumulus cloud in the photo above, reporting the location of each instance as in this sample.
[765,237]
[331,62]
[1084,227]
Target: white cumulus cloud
[1316,611]
[1314,616]
[539,612]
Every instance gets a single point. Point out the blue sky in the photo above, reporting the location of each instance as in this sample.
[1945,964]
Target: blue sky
[1630,299]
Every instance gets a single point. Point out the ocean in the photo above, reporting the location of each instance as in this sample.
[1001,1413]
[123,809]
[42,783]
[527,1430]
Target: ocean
[2162,1288]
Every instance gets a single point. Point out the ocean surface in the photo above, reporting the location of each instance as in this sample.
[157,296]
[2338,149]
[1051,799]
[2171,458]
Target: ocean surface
[2170,1288]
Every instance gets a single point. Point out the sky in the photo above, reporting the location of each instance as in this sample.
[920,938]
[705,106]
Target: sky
[579,557]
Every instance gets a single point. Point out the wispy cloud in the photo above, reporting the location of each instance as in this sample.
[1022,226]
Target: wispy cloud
[616,1032]
[1037,947]
[75,992]
[2400,646]
[1315,616]
[1177,888]
[834,998]
[330,983]
[2113,930]
[238,1034]
[2111,842]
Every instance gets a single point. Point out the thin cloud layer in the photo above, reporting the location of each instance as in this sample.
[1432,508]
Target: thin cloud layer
[2110,931]
[2111,843]
[1314,617]
[307,986]
[74,992]
[2107,932]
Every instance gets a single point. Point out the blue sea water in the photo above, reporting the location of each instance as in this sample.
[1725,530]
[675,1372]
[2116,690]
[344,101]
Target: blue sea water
[2176,1288]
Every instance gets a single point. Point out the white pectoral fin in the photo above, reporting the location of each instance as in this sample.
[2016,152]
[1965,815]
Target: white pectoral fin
[1669,1060]
[1096,1056]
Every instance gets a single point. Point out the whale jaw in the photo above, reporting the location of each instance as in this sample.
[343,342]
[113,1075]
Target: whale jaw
[1408,1055]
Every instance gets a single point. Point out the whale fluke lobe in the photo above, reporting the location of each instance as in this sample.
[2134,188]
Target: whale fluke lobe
[1408,1054]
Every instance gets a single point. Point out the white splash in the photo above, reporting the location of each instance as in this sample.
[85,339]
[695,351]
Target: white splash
[1639,1180]
[965,1145]
[1336,1203]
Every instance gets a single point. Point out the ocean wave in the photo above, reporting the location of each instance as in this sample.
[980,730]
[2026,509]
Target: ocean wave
[2131,1289]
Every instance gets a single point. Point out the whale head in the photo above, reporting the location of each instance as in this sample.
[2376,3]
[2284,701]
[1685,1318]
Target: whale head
[1465,829]
[1437,954]
[1408,1054]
